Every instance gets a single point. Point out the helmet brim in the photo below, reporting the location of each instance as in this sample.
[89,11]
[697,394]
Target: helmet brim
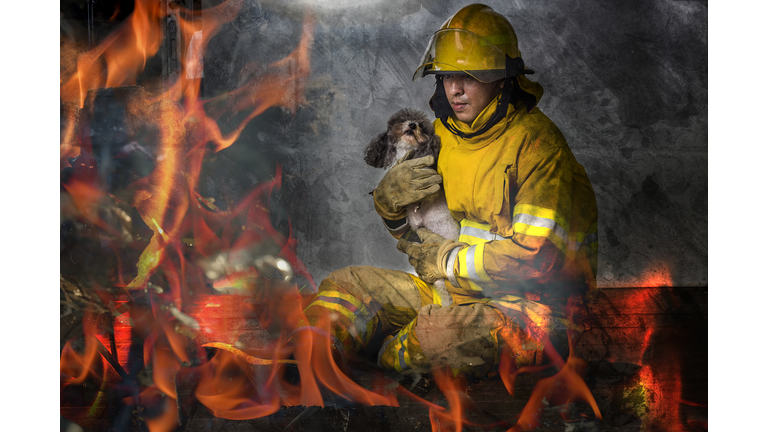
[458,51]
[485,76]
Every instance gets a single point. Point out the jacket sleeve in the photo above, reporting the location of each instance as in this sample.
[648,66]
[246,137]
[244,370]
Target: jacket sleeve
[533,244]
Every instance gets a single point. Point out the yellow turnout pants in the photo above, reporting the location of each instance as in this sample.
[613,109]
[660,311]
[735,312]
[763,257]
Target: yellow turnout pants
[407,325]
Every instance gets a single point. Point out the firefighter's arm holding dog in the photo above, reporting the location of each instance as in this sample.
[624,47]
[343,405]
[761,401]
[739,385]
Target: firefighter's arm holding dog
[407,182]
[430,257]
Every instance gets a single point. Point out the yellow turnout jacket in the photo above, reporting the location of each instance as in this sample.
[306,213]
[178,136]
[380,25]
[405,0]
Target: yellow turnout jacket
[526,207]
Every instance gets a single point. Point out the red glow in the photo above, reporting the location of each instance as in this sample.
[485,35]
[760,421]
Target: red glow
[657,276]
[660,376]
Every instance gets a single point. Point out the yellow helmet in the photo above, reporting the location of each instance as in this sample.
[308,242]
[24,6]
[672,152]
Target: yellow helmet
[477,41]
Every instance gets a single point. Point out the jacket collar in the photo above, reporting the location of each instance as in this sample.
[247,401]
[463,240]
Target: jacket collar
[490,135]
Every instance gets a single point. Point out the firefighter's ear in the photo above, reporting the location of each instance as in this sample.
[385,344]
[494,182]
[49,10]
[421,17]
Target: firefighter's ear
[377,151]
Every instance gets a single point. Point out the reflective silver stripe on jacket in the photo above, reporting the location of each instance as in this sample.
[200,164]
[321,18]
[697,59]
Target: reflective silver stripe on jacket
[471,270]
[451,265]
[479,233]
[541,222]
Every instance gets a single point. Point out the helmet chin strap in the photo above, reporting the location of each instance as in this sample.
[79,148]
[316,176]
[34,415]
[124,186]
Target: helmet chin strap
[442,108]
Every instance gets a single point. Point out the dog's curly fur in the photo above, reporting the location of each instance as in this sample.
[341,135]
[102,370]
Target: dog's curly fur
[406,130]
[411,130]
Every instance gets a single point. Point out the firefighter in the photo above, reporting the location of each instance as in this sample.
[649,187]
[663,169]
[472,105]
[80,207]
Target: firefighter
[527,254]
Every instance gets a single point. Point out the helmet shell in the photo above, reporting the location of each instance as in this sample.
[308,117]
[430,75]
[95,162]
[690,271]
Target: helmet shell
[477,41]
[486,23]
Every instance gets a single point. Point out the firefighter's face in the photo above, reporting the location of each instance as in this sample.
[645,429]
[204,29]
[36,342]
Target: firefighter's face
[468,96]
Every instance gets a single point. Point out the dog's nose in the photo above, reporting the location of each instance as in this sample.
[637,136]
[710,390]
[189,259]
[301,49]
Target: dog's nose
[412,125]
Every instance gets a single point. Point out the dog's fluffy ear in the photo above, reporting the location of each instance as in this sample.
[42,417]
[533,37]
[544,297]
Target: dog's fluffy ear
[377,151]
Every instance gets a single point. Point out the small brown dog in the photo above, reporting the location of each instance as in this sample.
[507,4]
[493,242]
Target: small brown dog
[406,130]
[411,130]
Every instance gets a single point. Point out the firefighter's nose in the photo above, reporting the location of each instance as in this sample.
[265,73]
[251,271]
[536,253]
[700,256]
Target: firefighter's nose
[453,86]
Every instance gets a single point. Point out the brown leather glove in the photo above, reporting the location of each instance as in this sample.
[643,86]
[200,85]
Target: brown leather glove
[407,182]
[429,257]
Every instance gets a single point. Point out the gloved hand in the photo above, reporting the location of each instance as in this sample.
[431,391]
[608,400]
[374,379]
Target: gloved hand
[429,257]
[407,182]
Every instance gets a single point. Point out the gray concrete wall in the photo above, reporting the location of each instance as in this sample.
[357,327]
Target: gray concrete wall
[626,82]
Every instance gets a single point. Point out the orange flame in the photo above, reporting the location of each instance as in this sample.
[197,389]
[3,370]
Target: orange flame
[164,368]
[237,384]
[454,390]
[123,54]
[139,38]
[226,390]
[661,379]
[124,51]
[664,386]
[75,367]
[566,386]
[168,420]
[69,146]
[234,384]
[163,197]
[283,86]
[86,198]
